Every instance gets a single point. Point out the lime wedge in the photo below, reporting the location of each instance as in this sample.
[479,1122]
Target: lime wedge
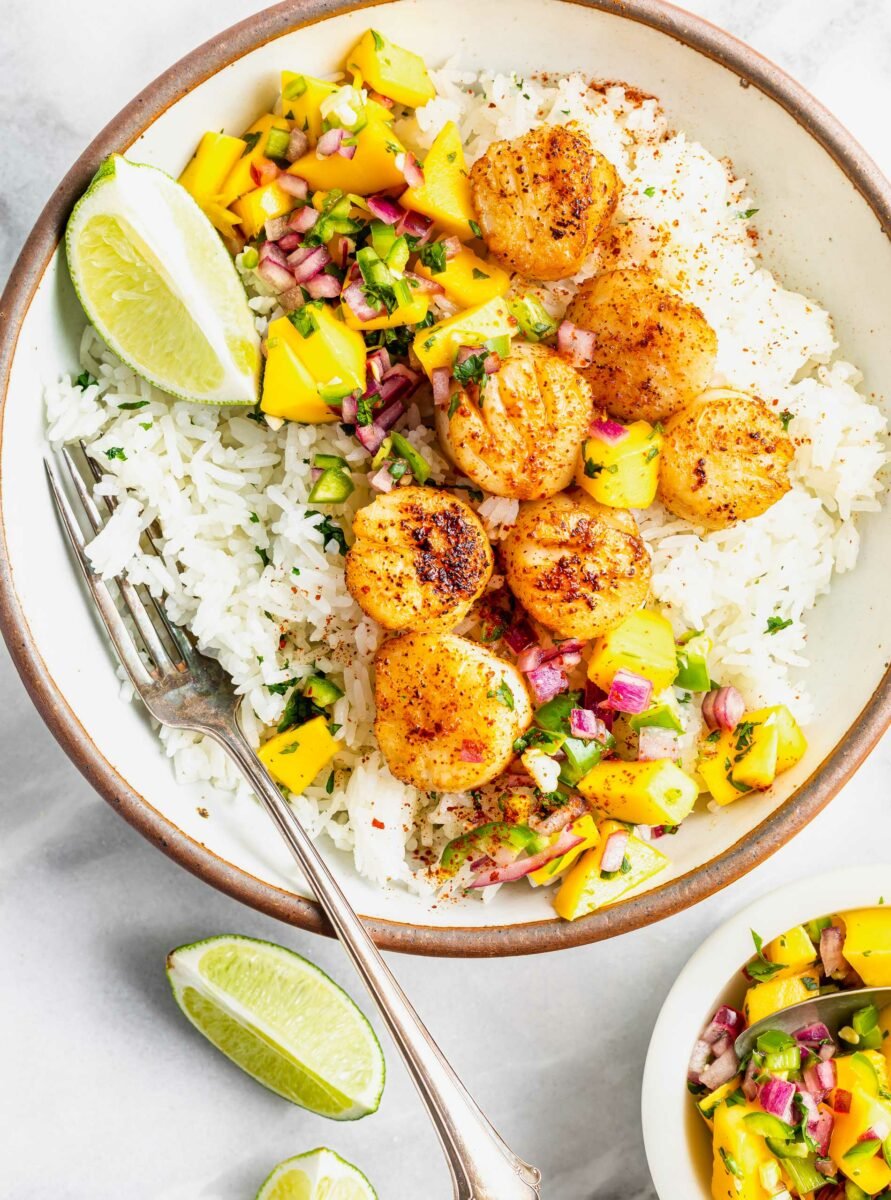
[283,1021]
[318,1175]
[160,287]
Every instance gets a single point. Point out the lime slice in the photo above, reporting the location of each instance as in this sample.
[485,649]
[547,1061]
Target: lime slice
[160,287]
[283,1021]
[318,1175]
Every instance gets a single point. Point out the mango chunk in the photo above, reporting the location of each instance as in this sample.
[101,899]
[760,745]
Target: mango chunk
[294,758]
[307,372]
[644,793]
[708,1104]
[868,944]
[794,949]
[623,474]
[748,756]
[210,165]
[642,643]
[371,169]
[240,179]
[763,999]
[885,1027]
[584,827]
[392,70]
[870,1173]
[438,345]
[739,1155]
[258,206]
[467,279]
[402,314]
[444,196]
[584,889]
[864,1071]
[792,743]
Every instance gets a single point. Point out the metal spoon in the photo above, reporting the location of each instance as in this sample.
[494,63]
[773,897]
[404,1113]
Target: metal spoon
[834,1010]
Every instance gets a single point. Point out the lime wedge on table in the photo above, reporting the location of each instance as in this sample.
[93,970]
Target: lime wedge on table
[160,287]
[283,1021]
[318,1175]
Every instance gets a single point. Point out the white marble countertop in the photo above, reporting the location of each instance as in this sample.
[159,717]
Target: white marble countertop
[104,1090]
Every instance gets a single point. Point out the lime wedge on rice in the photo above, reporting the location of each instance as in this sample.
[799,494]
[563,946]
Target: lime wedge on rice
[160,287]
[283,1021]
[318,1175]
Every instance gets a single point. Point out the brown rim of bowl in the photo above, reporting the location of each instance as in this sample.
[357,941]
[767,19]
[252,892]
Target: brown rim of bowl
[752,70]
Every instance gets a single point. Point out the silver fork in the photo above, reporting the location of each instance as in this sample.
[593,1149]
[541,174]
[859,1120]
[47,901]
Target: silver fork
[183,688]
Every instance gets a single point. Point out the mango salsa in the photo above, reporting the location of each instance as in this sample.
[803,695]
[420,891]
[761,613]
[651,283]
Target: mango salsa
[584,889]
[371,169]
[583,827]
[642,643]
[260,205]
[467,279]
[739,1156]
[391,70]
[644,793]
[762,999]
[306,372]
[444,196]
[438,345]
[869,1172]
[868,944]
[240,179]
[794,949]
[294,758]
[749,756]
[623,474]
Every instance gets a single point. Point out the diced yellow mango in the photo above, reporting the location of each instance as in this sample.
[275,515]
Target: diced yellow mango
[371,169]
[885,1026]
[757,767]
[438,345]
[302,96]
[584,827]
[708,1104]
[642,643]
[583,890]
[792,743]
[294,758]
[864,1071]
[392,70]
[623,474]
[644,793]
[332,358]
[444,196]
[210,166]
[256,207]
[467,279]
[736,1145]
[240,180]
[289,391]
[762,999]
[868,944]
[402,314]
[741,759]
[867,1112]
[794,949]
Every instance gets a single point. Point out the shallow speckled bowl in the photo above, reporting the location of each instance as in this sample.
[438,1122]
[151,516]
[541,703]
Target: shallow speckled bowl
[826,213]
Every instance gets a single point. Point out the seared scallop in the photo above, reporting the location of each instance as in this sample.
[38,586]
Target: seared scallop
[543,199]
[448,711]
[724,459]
[654,352]
[519,435]
[577,566]
[420,559]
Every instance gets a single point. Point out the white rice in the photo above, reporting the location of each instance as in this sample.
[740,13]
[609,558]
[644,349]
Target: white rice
[245,564]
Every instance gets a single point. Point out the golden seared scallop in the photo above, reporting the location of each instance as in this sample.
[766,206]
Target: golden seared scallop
[724,459]
[420,559]
[519,434]
[448,710]
[577,566]
[654,353]
[543,199]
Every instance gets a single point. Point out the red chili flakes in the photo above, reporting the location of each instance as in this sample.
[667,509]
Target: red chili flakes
[377,824]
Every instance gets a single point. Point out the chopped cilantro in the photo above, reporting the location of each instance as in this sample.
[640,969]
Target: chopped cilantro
[133,404]
[651,454]
[785,418]
[85,380]
[330,531]
[478,274]
[775,624]
[378,40]
[364,414]
[592,469]
[255,520]
[116,452]
[750,212]
[146,424]
[434,257]
[263,555]
[475,229]
[472,370]
[453,404]
[504,695]
[761,968]
[250,141]
[650,191]
[329,786]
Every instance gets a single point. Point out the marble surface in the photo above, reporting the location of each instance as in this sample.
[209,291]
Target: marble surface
[104,1090]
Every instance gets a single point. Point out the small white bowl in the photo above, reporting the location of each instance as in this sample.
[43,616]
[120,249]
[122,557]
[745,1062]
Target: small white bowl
[675,1139]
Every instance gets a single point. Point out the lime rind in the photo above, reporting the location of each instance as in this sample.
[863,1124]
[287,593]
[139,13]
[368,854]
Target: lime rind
[283,1021]
[315,1167]
[159,286]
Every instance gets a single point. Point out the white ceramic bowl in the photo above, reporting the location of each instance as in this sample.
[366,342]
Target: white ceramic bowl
[823,206]
[677,1143]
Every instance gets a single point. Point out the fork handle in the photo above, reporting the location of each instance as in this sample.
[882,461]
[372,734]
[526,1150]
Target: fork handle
[482,1166]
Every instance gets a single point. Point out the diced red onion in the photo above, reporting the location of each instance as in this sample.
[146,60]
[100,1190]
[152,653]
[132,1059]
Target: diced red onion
[292,299]
[441,379]
[525,866]
[702,1052]
[341,249]
[275,228]
[832,943]
[547,682]
[465,352]
[608,431]
[303,219]
[452,246]
[382,480]
[841,1100]
[726,1020]
[420,283]
[614,848]
[384,208]
[416,225]
[722,1045]
[723,708]
[492,362]
[298,144]
[776,1096]
[323,287]
[307,261]
[471,752]
[349,409]
[294,185]
[272,272]
[825,1166]
[749,1085]
[655,743]
[347,150]
[576,344]
[270,252]
[389,415]
[561,817]
[378,363]
[354,298]
[401,371]
[583,723]
[629,693]
[814,1035]
[329,143]
[721,1071]
[264,172]
[827,1074]
[518,634]
[828,1051]
[288,241]
[371,436]
[316,474]
[411,171]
